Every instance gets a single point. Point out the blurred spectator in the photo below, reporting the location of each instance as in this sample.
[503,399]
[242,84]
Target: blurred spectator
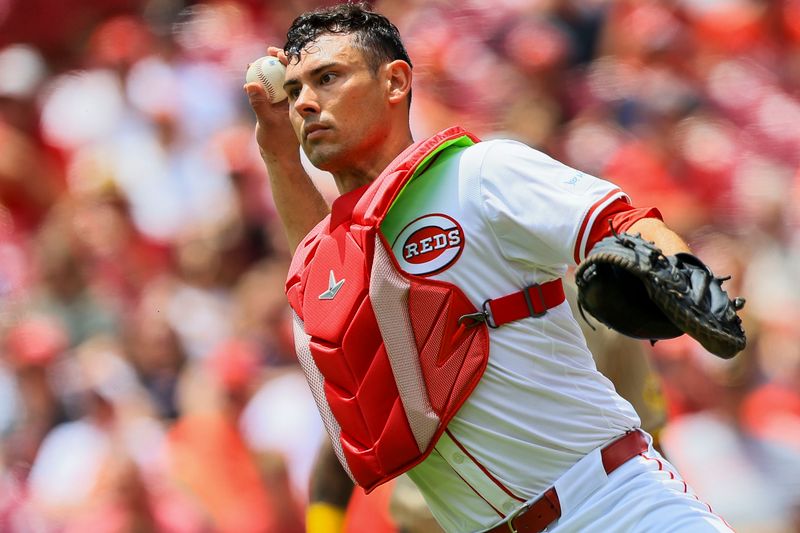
[199,303]
[28,176]
[282,419]
[261,315]
[65,289]
[105,469]
[154,351]
[31,349]
[120,260]
[209,456]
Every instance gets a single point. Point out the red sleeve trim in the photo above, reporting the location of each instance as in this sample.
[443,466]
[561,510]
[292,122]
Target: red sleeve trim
[622,216]
[589,221]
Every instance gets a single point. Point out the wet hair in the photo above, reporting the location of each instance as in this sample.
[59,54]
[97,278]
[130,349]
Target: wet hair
[376,37]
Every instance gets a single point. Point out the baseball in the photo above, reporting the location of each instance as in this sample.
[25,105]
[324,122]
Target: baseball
[271,73]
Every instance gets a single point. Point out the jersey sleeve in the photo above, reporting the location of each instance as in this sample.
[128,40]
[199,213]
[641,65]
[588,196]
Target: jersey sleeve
[542,212]
[620,215]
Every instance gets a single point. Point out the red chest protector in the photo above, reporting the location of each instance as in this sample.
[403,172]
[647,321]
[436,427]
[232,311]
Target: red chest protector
[385,356]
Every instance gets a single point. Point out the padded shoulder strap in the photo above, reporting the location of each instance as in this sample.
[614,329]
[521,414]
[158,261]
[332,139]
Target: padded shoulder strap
[376,201]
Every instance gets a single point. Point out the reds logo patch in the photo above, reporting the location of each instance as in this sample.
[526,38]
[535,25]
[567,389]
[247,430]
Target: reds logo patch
[429,245]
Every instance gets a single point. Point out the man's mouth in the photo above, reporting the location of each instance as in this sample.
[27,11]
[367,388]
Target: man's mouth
[312,131]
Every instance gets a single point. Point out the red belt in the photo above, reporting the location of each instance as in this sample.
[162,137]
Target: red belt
[546,509]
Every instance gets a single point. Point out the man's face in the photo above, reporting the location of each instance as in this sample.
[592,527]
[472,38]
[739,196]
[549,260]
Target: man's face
[337,104]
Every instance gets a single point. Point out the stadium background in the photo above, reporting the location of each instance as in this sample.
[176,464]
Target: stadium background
[147,380]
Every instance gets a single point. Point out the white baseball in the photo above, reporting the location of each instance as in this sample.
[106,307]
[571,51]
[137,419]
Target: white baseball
[271,73]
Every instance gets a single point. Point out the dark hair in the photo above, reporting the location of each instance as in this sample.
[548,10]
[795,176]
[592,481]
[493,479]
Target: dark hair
[378,39]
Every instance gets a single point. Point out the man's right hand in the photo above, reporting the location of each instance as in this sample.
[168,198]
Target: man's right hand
[299,204]
[274,134]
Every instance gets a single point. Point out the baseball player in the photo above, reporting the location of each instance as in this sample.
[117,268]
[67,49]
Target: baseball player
[430,315]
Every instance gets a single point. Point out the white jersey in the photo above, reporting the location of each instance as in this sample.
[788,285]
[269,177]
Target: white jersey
[492,219]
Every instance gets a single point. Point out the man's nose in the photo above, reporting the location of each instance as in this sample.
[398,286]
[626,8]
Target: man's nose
[306,102]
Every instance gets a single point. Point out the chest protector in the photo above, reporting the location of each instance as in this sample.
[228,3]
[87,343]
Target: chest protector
[384,353]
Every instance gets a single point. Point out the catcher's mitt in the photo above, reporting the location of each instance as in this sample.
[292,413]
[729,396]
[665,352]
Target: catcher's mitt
[630,286]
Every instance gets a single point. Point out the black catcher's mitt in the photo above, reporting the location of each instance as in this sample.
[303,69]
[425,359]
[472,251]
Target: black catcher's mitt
[630,286]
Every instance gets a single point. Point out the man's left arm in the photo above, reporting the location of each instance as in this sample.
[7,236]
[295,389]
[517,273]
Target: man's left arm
[654,229]
[644,282]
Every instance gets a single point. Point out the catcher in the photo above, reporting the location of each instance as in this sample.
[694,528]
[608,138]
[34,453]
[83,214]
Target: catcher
[429,309]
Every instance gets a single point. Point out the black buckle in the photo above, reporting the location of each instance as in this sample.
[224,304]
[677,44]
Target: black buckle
[479,316]
[528,301]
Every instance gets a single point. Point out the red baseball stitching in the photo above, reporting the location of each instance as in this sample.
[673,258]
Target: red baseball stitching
[267,84]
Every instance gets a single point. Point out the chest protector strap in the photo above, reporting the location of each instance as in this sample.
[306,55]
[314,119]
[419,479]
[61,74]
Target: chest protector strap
[385,355]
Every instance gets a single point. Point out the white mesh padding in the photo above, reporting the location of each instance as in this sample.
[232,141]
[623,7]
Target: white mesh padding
[388,292]
[317,384]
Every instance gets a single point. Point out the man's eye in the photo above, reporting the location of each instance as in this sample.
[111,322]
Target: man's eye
[293,93]
[326,78]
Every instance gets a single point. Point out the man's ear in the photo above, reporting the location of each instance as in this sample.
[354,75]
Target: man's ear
[398,79]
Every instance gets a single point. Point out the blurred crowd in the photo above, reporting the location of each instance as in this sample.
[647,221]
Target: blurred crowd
[147,375]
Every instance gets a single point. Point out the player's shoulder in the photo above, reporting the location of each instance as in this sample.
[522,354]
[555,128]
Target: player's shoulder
[510,158]
[505,151]
[521,164]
